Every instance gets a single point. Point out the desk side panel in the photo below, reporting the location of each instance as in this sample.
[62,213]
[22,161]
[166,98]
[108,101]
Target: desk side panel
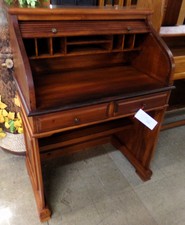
[22,75]
[156,59]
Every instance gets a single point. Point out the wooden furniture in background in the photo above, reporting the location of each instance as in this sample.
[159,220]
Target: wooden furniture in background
[81,78]
[174,12]
[157,7]
[181,16]
[174,37]
[120,3]
[94,2]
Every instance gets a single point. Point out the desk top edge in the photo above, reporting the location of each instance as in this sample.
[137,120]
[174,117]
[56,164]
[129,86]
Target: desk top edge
[78,10]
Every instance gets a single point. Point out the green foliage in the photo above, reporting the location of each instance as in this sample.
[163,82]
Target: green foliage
[9,2]
[32,3]
[12,127]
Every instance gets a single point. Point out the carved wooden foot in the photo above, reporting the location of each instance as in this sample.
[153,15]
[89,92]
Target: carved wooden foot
[145,174]
[44,214]
[141,169]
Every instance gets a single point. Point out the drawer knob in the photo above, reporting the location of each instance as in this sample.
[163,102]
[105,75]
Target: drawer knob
[54,30]
[144,105]
[129,28]
[76,120]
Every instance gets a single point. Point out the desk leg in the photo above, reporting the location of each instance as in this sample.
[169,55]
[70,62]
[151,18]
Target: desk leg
[33,164]
[139,143]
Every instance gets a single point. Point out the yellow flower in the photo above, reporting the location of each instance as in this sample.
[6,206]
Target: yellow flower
[1,119]
[20,130]
[11,115]
[10,120]
[17,101]
[7,125]
[18,115]
[4,112]
[17,123]
[2,105]
[2,135]
[6,119]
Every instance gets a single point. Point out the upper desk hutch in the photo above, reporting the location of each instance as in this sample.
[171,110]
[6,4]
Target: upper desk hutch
[82,73]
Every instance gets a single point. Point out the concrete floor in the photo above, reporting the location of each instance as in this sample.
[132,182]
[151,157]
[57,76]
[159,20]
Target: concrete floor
[100,187]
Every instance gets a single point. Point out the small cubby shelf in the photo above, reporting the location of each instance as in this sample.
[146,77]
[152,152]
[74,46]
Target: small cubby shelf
[78,45]
[77,40]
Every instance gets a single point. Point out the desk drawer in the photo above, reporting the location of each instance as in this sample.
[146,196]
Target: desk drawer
[71,118]
[146,103]
[97,113]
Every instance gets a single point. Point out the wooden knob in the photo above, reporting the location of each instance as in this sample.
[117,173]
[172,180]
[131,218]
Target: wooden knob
[54,30]
[144,105]
[77,120]
[129,28]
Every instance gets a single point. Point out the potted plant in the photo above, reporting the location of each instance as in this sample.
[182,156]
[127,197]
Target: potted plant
[11,129]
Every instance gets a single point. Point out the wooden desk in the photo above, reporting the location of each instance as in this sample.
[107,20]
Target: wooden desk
[82,74]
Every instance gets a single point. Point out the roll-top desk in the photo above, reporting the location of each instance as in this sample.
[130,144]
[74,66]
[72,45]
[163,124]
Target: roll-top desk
[81,75]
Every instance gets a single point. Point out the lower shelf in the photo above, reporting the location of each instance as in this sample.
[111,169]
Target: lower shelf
[72,141]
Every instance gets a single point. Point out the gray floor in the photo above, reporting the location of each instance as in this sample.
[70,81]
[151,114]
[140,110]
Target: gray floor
[99,187]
